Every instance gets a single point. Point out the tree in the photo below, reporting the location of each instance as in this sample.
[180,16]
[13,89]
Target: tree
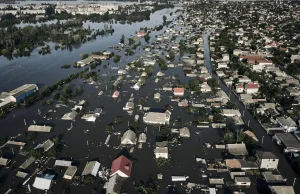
[147,38]
[218,118]
[229,137]
[212,83]
[149,70]
[122,39]
[164,19]
[161,161]
[84,56]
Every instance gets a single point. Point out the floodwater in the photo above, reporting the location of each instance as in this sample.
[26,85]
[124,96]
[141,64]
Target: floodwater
[46,69]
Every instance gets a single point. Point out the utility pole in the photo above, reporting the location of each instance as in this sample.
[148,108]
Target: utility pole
[262,140]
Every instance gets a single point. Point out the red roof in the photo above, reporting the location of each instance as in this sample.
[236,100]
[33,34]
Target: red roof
[178,90]
[121,164]
[116,94]
[240,86]
[252,85]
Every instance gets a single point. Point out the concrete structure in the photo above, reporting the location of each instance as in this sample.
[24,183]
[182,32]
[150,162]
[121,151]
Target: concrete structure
[91,168]
[70,172]
[129,138]
[39,128]
[288,124]
[157,118]
[267,160]
[121,166]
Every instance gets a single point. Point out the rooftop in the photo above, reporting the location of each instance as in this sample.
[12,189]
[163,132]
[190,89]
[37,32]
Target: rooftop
[265,155]
[237,149]
[288,140]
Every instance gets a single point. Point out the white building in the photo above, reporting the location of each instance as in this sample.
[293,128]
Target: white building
[251,88]
[157,118]
[129,138]
[161,152]
[70,172]
[288,124]
[231,112]
[267,160]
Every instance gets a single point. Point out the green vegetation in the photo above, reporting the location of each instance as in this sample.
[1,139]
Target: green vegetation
[149,70]
[151,187]
[21,41]
[164,20]
[129,52]
[122,39]
[147,38]
[117,58]
[65,66]
[162,161]
[131,41]
[162,63]
[84,56]
[218,118]
[171,56]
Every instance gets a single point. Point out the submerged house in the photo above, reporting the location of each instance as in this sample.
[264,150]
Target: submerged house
[91,168]
[129,138]
[121,166]
[157,118]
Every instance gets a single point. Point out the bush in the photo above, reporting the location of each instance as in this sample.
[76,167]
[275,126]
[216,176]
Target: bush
[162,161]
[66,66]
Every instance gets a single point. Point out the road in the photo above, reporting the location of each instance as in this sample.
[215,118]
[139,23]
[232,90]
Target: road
[284,167]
